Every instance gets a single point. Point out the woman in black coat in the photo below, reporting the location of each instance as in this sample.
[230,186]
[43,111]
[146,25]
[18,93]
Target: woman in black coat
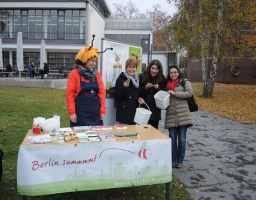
[127,93]
[44,71]
[151,81]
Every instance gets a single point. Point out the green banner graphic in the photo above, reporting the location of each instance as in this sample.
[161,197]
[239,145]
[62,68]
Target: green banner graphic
[135,53]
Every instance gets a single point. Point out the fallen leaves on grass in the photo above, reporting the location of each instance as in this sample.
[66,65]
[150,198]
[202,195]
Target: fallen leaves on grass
[233,101]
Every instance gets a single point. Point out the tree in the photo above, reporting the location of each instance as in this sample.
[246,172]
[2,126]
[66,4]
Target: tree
[162,36]
[161,33]
[128,10]
[212,29]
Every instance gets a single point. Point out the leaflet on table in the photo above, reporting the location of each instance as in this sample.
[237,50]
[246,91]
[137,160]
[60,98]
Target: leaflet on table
[94,139]
[83,139]
[101,128]
[65,129]
[107,137]
[91,137]
[81,128]
[58,141]
[91,133]
[120,126]
[58,133]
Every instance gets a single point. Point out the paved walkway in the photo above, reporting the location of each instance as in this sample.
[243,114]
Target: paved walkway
[220,160]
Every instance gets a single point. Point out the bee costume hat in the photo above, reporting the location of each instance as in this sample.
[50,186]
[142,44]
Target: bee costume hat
[82,58]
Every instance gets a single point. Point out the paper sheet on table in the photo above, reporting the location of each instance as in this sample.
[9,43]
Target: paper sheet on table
[65,129]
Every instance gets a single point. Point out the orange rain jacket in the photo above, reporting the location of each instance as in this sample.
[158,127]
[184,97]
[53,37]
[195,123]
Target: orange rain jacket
[74,87]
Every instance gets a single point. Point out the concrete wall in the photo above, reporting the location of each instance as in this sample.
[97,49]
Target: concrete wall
[33,83]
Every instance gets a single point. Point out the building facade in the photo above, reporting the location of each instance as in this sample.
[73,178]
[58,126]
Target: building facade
[66,27]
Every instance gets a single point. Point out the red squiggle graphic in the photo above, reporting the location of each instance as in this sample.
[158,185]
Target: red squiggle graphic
[116,149]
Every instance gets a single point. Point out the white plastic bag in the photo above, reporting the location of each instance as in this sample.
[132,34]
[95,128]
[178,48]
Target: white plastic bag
[38,120]
[56,123]
[48,125]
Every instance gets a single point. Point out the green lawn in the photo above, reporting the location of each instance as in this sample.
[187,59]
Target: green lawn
[18,107]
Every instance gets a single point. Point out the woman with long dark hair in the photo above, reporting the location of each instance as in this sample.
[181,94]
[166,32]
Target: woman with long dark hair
[152,80]
[178,117]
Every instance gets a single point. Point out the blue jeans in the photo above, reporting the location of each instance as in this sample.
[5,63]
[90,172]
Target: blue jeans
[178,152]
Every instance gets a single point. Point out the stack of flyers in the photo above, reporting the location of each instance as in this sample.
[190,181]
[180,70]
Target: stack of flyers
[120,126]
[83,138]
[81,135]
[101,128]
[65,129]
[81,128]
[94,139]
[107,137]
[91,133]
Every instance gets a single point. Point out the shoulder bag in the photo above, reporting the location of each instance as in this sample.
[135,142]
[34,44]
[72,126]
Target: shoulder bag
[192,103]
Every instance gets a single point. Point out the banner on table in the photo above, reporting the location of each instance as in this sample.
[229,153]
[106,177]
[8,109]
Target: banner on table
[90,166]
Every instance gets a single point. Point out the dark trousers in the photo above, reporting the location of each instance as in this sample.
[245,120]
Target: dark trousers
[42,72]
[7,74]
[32,73]
[154,123]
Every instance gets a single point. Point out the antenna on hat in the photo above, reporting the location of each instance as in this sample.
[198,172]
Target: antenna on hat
[105,50]
[92,41]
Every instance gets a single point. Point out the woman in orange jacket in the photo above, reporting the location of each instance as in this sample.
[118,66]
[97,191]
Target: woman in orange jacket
[86,91]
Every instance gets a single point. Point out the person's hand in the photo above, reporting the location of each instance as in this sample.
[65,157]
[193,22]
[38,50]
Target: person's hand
[102,116]
[156,86]
[171,92]
[73,118]
[141,101]
[149,85]
[126,83]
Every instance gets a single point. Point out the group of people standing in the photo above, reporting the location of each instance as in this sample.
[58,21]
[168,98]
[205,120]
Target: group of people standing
[86,97]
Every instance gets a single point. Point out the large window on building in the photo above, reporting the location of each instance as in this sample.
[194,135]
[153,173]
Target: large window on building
[28,57]
[54,60]
[43,24]
[136,39]
[58,60]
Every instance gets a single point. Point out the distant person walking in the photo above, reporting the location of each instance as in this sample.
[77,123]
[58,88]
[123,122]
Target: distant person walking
[8,68]
[31,70]
[178,117]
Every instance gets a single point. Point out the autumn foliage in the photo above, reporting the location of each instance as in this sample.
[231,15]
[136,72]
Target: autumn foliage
[233,101]
[162,35]
[213,30]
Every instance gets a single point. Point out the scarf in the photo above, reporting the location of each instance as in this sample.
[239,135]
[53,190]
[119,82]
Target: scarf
[172,85]
[88,74]
[134,79]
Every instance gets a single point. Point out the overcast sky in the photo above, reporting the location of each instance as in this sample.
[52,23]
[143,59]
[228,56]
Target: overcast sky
[143,5]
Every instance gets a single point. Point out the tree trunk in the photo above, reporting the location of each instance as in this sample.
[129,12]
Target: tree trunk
[204,75]
[217,50]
